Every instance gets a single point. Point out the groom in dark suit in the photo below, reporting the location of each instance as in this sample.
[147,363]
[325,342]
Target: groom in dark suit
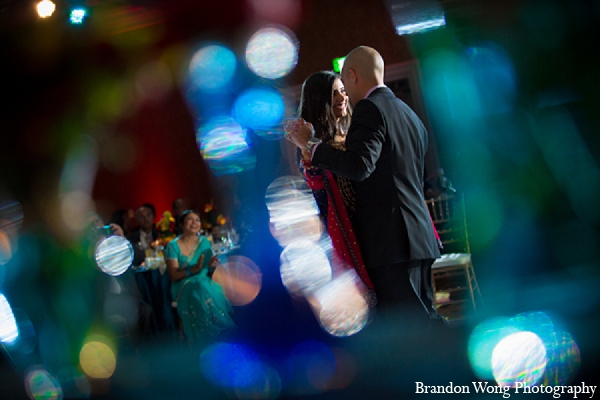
[384,156]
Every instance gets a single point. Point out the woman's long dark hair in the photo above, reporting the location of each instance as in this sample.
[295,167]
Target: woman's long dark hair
[315,105]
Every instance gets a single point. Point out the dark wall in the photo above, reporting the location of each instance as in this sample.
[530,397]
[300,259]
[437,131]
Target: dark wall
[71,80]
[168,164]
[332,28]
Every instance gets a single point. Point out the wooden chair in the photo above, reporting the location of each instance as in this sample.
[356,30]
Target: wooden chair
[454,282]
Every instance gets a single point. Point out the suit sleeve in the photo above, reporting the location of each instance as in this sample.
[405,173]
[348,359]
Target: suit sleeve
[139,255]
[363,145]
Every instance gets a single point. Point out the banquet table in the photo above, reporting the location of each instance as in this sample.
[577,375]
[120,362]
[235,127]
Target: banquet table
[155,287]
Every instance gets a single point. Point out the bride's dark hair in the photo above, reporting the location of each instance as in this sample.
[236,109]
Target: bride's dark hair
[315,105]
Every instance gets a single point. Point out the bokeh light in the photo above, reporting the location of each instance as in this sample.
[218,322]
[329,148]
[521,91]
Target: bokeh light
[524,349]
[76,182]
[268,385]
[27,339]
[222,142]
[484,338]
[494,73]
[97,358]
[345,369]
[272,52]
[564,360]
[240,278]
[81,164]
[114,254]
[230,365]
[153,81]
[343,311]
[11,219]
[110,99]
[304,267]
[339,304]
[238,370]
[519,358]
[77,15]
[212,68]
[40,384]
[8,325]
[485,207]
[5,247]
[259,108]
[313,365]
[74,206]
[45,8]
[11,212]
[293,212]
[416,16]
[449,83]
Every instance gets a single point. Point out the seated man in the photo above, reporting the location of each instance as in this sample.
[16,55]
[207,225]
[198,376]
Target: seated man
[123,305]
[154,286]
[145,233]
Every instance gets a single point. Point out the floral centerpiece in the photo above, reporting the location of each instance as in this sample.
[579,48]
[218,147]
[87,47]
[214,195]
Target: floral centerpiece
[211,218]
[155,255]
[166,229]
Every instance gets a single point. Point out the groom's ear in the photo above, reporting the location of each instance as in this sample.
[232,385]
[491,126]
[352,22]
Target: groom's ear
[352,75]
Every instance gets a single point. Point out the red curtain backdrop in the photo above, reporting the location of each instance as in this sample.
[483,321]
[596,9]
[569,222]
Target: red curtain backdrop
[165,164]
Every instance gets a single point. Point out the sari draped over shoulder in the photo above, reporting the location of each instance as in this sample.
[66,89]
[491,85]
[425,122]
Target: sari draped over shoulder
[338,210]
[201,303]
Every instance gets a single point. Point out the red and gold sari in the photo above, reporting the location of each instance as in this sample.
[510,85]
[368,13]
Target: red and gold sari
[340,201]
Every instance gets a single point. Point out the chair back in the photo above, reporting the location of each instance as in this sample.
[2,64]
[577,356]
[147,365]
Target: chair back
[453,277]
[448,215]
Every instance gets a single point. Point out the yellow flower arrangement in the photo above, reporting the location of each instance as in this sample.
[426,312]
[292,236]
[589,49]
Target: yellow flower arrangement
[166,228]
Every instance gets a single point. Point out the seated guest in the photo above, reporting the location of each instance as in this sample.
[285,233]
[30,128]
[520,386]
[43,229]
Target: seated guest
[201,303]
[146,232]
[154,286]
[122,299]
[123,218]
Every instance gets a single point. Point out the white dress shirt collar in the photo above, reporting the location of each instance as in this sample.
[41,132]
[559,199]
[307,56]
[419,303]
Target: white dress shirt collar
[373,89]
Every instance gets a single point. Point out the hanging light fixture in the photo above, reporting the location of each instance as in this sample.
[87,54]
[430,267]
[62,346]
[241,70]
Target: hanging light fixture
[414,16]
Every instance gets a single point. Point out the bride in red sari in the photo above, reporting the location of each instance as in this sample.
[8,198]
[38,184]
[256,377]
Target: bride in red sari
[325,105]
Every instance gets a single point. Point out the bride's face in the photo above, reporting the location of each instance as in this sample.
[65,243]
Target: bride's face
[191,223]
[339,99]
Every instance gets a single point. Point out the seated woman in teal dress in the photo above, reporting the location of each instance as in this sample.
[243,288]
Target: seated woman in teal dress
[201,303]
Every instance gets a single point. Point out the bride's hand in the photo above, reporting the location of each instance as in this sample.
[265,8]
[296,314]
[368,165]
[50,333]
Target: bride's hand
[290,126]
[308,125]
[300,135]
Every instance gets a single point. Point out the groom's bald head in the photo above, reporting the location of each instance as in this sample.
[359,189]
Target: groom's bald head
[367,62]
[363,68]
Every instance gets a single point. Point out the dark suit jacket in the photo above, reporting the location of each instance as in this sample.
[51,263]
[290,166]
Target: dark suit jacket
[385,157]
[139,255]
